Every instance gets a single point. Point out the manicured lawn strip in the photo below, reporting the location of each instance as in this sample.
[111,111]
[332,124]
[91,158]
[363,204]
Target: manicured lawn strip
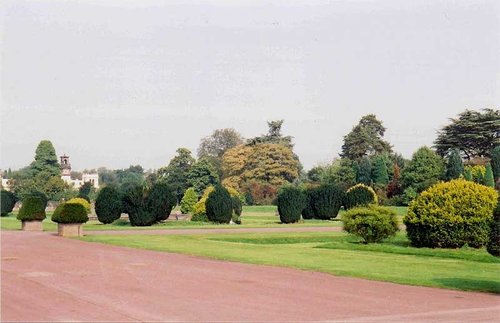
[421,270]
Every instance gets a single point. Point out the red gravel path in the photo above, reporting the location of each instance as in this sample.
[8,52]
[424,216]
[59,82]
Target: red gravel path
[47,278]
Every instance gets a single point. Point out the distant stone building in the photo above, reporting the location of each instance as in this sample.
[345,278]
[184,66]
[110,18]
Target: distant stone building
[92,178]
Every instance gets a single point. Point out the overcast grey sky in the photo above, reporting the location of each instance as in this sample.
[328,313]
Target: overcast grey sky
[114,83]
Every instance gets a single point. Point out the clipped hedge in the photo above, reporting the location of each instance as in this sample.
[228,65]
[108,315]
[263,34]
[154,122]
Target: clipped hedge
[219,205]
[108,205]
[81,201]
[291,201]
[7,202]
[372,223]
[32,209]
[359,195]
[451,214]
[493,245]
[189,201]
[70,212]
[326,202]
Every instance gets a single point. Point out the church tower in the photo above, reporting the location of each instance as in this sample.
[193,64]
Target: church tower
[65,167]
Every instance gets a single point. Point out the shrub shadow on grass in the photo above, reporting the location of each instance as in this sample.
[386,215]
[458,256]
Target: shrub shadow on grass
[469,284]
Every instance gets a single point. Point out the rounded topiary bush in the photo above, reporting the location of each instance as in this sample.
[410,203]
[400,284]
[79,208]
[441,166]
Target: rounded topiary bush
[372,223]
[359,195]
[70,213]
[450,215]
[108,205]
[40,195]
[326,202]
[219,205]
[32,209]
[291,201]
[160,201]
[134,204]
[188,201]
[81,201]
[493,245]
[7,202]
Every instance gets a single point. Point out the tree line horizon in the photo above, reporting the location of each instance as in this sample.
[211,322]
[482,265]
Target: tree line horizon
[259,166]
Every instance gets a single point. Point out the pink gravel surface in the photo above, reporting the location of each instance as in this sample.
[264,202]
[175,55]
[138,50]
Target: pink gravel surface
[48,278]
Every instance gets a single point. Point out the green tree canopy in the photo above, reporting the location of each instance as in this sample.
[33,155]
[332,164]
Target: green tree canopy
[45,159]
[364,171]
[425,168]
[202,175]
[175,174]
[474,133]
[380,175]
[365,139]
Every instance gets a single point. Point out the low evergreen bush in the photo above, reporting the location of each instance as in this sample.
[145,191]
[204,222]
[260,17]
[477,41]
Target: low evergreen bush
[493,245]
[359,195]
[108,205]
[7,202]
[291,201]
[372,223]
[200,217]
[70,213]
[32,209]
[451,214]
[326,202]
[188,201]
[160,201]
[219,205]
[40,195]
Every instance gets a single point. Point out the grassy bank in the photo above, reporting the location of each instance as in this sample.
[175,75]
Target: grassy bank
[335,253]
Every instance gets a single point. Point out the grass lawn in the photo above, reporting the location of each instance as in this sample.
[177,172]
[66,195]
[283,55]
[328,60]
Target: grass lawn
[252,217]
[335,253]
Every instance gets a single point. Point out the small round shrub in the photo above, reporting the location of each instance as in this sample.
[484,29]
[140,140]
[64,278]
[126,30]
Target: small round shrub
[81,201]
[32,209]
[108,205]
[291,201]
[493,245]
[372,223]
[200,217]
[188,201]
[450,215]
[308,211]
[219,205]
[70,213]
[359,195]
[326,201]
[7,202]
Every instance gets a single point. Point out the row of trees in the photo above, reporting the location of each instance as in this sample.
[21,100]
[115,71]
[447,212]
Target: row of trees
[258,166]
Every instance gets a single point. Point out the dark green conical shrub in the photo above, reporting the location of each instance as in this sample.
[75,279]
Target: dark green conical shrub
[291,201]
[70,213]
[327,201]
[7,202]
[108,205]
[32,209]
[219,205]
[493,245]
